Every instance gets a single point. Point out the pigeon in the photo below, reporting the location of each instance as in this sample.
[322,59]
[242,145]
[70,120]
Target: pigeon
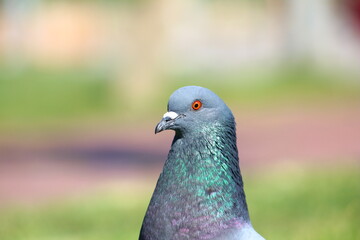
[199,194]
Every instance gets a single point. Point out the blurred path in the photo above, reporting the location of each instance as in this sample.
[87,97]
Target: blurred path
[48,166]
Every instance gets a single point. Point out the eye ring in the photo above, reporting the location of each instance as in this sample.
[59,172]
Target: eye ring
[196,105]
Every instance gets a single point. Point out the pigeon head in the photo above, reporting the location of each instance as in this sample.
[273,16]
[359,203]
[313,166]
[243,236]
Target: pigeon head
[191,108]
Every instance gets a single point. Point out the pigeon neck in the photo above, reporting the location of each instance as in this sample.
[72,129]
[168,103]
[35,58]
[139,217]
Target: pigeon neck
[206,165]
[199,194]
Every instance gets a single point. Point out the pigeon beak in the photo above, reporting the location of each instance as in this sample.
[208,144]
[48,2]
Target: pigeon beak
[166,122]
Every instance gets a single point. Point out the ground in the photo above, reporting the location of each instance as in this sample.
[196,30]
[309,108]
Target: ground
[300,166]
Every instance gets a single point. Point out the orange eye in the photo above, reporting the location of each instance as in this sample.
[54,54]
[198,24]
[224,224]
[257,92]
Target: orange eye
[196,105]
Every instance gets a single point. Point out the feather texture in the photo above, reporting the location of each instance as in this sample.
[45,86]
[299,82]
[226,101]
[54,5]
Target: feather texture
[199,194]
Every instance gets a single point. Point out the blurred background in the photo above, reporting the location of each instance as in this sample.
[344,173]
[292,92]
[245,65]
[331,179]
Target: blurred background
[83,84]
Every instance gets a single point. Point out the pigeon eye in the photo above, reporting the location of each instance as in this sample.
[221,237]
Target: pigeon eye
[196,105]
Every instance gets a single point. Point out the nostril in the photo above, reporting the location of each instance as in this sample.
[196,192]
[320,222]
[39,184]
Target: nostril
[167,119]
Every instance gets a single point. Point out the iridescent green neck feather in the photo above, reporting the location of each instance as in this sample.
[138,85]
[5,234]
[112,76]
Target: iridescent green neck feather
[200,187]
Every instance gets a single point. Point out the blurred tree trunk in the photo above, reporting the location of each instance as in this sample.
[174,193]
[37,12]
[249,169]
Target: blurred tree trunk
[15,14]
[141,77]
[353,7]
[309,29]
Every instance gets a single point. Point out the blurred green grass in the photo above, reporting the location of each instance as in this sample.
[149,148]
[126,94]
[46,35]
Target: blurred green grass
[289,203]
[282,85]
[35,97]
